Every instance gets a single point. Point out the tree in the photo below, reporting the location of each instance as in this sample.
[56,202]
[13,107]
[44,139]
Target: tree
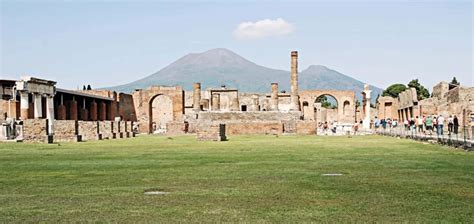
[89,87]
[455,82]
[325,102]
[421,91]
[394,90]
[84,87]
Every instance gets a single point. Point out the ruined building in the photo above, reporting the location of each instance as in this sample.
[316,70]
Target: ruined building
[47,113]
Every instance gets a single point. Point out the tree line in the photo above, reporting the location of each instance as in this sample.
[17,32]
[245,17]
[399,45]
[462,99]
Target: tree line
[422,92]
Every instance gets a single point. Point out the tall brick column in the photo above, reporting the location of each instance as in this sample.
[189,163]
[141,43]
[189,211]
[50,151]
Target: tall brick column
[274,97]
[61,111]
[102,111]
[294,98]
[197,96]
[73,109]
[93,111]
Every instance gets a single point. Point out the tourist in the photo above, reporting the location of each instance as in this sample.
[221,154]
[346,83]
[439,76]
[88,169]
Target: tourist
[356,127]
[419,122]
[440,123]
[412,124]
[406,123]
[394,123]
[450,124]
[376,123]
[384,124]
[325,128]
[429,124]
[435,123]
[455,125]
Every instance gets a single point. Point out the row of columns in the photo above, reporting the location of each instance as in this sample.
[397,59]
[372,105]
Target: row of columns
[97,111]
[37,107]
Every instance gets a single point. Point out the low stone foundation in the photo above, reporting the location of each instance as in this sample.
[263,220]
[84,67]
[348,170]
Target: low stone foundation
[66,131]
[211,132]
[35,130]
[239,128]
[306,127]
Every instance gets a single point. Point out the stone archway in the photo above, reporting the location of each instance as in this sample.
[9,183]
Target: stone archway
[160,113]
[326,108]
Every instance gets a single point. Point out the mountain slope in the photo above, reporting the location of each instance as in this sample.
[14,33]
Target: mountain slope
[220,66]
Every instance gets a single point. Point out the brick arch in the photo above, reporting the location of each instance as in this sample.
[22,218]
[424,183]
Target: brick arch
[341,97]
[145,97]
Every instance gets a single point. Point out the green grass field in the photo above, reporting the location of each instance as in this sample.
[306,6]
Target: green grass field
[246,179]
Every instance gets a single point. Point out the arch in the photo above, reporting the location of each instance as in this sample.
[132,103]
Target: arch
[160,110]
[346,107]
[331,101]
[326,110]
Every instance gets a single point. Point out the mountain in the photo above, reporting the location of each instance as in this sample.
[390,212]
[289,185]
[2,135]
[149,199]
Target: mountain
[220,66]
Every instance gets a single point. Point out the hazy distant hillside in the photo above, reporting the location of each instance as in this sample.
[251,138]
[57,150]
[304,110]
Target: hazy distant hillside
[218,67]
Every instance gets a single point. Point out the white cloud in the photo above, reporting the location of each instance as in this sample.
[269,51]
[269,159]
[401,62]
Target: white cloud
[263,28]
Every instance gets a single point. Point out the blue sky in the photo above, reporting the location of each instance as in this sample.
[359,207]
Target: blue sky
[105,43]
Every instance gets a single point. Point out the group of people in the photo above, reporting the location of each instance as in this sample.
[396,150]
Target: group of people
[424,124]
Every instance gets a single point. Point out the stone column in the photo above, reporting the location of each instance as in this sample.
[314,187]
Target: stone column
[37,105]
[366,122]
[216,98]
[295,105]
[61,110]
[102,111]
[24,105]
[274,97]
[93,111]
[73,109]
[50,113]
[197,97]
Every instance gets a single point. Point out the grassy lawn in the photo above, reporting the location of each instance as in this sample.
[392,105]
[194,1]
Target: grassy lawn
[246,179]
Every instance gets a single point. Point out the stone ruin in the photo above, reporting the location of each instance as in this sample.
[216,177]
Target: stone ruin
[34,105]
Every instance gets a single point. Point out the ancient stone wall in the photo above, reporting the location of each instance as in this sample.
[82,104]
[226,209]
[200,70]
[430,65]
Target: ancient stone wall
[249,116]
[88,130]
[65,131]
[143,100]
[306,127]
[11,108]
[345,104]
[262,127]
[175,128]
[211,132]
[105,128]
[35,130]
[127,107]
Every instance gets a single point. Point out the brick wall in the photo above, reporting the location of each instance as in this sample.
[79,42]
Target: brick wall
[238,128]
[211,132]
[65,131]
[34,130]
[306,127]
[88,130]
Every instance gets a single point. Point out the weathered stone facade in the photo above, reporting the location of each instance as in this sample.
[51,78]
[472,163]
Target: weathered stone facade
[211,132]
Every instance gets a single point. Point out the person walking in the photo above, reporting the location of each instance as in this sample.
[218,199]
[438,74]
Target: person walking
[450,124]
[455,125]
[440,123]
[429,125]
[419,122]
